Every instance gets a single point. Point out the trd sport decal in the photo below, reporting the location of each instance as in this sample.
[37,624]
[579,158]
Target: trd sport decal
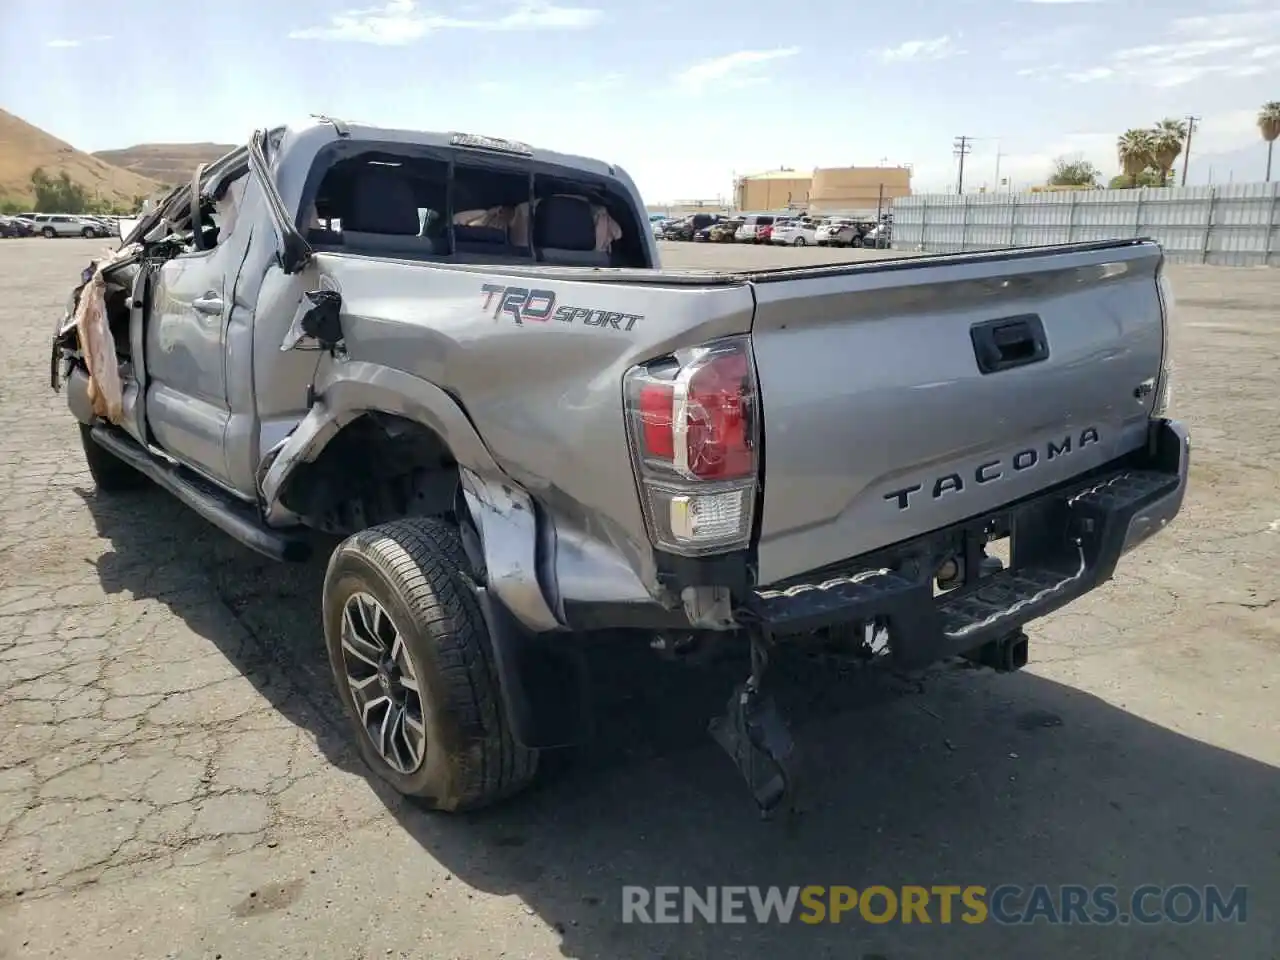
[521,304]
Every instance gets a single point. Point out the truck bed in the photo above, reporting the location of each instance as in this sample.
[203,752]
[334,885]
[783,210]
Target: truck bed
[691,277]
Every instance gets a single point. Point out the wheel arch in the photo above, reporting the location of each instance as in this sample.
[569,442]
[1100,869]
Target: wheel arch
[375,412]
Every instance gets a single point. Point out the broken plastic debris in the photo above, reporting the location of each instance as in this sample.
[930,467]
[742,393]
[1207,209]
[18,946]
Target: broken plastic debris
[96,343]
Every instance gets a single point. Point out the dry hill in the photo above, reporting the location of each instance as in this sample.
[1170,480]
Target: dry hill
[24,147]
[170,163]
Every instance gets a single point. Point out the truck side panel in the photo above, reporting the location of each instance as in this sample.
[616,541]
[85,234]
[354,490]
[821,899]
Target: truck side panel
[537,364]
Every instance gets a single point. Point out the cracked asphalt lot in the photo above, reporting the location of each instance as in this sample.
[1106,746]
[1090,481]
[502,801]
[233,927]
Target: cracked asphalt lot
[176,778]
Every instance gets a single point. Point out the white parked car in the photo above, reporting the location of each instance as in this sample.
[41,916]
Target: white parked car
[835,232]
[753,228]
[64,225]
[794,233]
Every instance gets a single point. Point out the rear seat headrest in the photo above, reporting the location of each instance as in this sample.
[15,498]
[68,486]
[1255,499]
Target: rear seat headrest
[564,223]
[383,201]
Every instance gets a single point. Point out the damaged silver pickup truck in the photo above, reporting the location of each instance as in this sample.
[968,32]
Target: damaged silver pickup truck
[458,359]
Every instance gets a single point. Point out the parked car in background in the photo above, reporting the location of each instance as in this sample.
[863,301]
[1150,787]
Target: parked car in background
[16,227]
[685,229]
[52,225]
[753,226]
[657,223]
[879,236]
[835,232]
[794,233]
[704,235]
[723,232]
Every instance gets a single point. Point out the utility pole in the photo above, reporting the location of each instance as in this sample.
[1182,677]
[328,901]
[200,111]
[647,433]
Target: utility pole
[962,146]
[1186,151]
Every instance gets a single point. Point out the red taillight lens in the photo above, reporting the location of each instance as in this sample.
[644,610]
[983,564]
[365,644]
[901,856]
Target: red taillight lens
[717,410]
[656,435]
[698,419]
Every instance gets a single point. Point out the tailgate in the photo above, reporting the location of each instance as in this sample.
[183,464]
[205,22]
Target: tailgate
[904,396]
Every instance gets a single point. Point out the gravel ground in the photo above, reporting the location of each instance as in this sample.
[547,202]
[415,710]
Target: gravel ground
[176,779]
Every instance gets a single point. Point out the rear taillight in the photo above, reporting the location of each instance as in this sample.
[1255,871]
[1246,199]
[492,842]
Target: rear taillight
[694,430]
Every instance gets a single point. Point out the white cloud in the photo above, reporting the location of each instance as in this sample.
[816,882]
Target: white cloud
[733,69]
[1041,46]
[936,48]
[1229,24]
[1092,75]
[603,82]
[401,21]
[67,44]
[1224,132]
[1190,50]
[1195,49]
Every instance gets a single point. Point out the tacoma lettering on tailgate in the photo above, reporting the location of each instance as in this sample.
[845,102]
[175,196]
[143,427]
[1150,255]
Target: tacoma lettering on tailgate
[993,470]
[521,304]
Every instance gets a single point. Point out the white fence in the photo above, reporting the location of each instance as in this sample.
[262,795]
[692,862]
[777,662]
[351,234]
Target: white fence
[1230,225]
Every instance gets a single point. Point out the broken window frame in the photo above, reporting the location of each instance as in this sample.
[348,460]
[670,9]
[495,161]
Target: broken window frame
[596,188]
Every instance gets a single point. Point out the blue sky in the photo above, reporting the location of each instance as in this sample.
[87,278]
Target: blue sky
[683,95]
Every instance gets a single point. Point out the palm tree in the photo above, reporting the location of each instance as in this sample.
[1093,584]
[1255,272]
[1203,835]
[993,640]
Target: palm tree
[1136,149]
[1269,125]
[1167,138]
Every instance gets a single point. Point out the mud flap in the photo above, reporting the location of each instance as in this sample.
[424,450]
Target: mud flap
[543,680]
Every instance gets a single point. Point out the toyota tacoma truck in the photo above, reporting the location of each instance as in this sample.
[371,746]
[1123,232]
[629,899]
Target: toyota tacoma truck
[458,359]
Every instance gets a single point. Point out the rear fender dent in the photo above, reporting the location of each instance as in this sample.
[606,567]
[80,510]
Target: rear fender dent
[503,512]
[508,526]
[352,388]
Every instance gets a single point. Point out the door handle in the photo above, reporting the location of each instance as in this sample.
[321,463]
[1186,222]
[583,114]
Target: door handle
[1009,342]
[210,304]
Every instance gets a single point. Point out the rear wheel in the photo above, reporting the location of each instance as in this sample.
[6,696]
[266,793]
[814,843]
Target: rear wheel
[411,656]
[109,473]
[88,233]
[800,241]
[48,233]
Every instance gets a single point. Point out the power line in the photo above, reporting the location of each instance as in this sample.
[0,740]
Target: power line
[961,148]
[1186,153]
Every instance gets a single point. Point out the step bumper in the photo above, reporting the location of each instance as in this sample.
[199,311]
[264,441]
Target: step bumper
[1063,543]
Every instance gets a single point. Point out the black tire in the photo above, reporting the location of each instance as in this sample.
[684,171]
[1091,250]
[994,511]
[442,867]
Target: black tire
[800,241]
[109,473]
[88,233]
[415,570]
[48,233]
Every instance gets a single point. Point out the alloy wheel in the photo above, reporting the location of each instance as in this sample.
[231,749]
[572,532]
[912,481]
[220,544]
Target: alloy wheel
[384,683]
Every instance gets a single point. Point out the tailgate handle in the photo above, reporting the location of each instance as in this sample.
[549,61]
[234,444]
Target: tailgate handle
[1009,342]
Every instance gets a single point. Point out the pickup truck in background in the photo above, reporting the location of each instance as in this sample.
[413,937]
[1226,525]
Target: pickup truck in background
[458,358]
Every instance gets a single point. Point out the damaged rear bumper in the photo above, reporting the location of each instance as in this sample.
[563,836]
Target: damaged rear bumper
[1063,544]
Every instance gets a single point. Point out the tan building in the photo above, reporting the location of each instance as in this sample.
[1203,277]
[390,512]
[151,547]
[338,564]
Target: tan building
[857,189]
[773,190]
[826,190]
[680,208]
